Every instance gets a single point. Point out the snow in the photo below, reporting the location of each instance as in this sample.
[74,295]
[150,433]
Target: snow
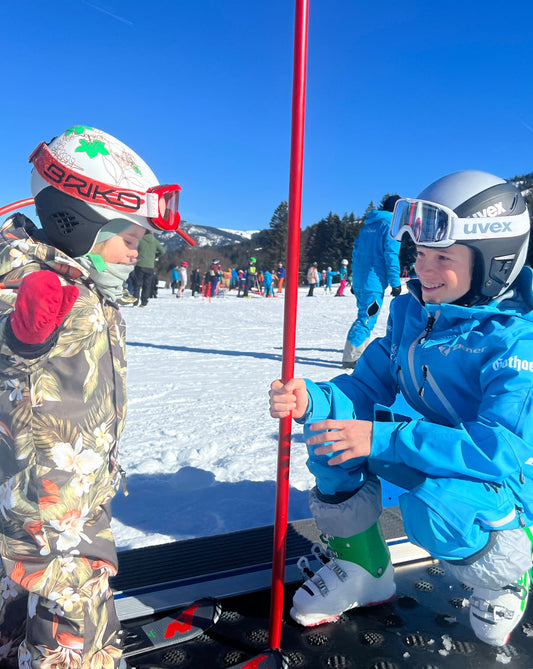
[200,448]
[245,234]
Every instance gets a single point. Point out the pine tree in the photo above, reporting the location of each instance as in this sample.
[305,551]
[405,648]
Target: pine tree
[277,239]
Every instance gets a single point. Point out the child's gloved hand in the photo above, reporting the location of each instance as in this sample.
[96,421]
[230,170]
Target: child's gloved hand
[42,304]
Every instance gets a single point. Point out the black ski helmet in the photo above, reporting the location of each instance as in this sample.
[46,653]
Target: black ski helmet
[499,252]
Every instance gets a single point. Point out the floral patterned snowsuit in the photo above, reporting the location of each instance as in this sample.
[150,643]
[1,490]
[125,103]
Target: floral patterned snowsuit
[62,409]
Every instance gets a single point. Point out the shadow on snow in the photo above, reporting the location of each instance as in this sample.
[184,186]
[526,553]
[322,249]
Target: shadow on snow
[250,354]
[171,504]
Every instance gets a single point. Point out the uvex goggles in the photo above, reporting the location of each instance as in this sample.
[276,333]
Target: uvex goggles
[432,224]
[159,205]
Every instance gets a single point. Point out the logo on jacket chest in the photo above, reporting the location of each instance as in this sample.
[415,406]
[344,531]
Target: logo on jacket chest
[446,349]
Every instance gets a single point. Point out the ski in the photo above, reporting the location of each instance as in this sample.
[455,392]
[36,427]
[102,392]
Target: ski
[169,628]
[270,659]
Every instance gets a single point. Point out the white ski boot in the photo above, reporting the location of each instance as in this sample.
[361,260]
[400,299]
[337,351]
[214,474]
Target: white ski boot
[356,571]
[495,607]
[494,614]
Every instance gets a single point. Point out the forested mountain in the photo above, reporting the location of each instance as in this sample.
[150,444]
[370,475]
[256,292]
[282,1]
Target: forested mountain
[327,242]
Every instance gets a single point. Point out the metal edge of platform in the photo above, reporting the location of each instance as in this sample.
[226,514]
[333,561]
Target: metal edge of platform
[250,571]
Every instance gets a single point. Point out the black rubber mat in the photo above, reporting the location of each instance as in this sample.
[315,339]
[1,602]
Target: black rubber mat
[425,627]
[180,560]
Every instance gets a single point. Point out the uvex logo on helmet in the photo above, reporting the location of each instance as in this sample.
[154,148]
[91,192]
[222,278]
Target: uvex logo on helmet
[491,211]
[495,228]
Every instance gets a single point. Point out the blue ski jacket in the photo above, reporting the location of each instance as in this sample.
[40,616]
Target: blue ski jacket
[468,372]
[375,263]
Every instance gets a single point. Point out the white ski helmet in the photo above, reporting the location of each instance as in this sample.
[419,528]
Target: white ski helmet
[478,210]
[85,178]
[344,262]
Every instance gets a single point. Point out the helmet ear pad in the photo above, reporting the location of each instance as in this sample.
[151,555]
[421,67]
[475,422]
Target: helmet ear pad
[492,269]
[69,224]
[499,258]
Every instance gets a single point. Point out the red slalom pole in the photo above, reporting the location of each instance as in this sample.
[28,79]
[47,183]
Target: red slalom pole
[15,205]
[290,309]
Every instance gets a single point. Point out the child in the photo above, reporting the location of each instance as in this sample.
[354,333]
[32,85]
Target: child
[242,282]
[63,397]
[343,272]
[329,279]
[182,281]
[268,283]
[174,279]
[458,348]
[280,275]
[213,278]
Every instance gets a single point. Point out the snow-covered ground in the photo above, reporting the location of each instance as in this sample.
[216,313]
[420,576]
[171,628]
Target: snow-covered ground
[200,448]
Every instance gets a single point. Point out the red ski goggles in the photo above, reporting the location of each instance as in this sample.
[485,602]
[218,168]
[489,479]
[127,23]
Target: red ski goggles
[159,205]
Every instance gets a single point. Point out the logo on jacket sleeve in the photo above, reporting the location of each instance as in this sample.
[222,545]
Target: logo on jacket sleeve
[513,362]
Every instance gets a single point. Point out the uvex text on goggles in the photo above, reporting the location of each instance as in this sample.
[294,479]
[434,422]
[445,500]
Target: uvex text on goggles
[159,205]
[431,224]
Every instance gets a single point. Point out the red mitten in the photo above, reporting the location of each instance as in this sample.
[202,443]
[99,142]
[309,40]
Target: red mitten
[42,304]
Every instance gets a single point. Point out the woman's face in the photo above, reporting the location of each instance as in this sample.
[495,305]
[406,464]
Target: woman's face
[445,273]
[121,249]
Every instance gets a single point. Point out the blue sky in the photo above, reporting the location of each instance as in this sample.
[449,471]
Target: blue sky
[398,94]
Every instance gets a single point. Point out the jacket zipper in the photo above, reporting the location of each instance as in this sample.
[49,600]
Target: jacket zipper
[426,375]
[427,330]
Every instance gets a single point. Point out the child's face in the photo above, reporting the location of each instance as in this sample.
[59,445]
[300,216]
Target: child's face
[121,249]
[445,274]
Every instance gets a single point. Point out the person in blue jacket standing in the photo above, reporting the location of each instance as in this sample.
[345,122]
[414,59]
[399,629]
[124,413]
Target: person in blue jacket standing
[459,349]
[268,283]
[375,266]
[174,280]
[329,279]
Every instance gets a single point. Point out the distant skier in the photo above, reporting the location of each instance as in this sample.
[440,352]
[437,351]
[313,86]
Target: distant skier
[312,278]
[375,266]
[182,280]
[196,282]
[150,250]
[459,349]
[251,277]
[343,273]
[213,276]
[174,279]
[63,396]
[329,280]
[234,283]
[280,276]
[268,284]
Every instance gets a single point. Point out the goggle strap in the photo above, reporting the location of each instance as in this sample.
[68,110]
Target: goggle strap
[90,190]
